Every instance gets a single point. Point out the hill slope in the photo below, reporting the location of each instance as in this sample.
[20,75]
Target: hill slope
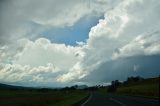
[146,87]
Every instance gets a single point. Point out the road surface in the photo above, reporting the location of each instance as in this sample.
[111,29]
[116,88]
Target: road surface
[98,99]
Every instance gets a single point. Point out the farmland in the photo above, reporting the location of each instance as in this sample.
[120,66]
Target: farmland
[39,98]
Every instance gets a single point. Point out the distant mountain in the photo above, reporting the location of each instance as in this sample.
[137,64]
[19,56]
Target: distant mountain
[43,89]
[6,86]
[82,86]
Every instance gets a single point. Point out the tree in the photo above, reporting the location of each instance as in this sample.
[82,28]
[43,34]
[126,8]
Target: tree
[114,86]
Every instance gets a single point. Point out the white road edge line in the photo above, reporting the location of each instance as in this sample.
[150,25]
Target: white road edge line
[87,100]
[117,102]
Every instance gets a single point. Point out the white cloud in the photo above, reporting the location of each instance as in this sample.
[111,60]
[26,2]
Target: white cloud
[146,44]
[40,62]
[121,25]
[117,31]
[42,51]
[16,73]
[75,73]
[21,18]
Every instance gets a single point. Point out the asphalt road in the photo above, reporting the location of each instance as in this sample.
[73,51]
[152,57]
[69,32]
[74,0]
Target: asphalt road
[97,99]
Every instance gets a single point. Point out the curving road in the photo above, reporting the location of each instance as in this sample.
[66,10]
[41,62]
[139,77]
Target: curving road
[97,99]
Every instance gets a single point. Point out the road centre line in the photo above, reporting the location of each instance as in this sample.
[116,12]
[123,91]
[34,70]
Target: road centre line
[117,102]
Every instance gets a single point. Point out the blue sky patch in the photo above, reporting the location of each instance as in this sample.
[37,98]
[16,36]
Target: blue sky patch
[69,35]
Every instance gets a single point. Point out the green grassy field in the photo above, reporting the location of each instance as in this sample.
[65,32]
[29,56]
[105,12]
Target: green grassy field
[70,100]
[147,87]
[35,98]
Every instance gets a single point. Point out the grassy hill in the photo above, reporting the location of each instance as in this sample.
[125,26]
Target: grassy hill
[146,87]
[13,87]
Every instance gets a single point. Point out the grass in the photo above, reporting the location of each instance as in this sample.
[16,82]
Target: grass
[36,98]
[148,88]
[70,100]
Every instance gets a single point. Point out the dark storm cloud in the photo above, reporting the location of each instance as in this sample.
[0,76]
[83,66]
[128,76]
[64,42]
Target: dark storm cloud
[147,66]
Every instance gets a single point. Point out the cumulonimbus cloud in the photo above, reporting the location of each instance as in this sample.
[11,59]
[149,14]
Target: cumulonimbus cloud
[129,28]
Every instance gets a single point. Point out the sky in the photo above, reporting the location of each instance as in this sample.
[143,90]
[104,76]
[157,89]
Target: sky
[57,43]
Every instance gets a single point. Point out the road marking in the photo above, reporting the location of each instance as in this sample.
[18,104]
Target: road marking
[87,100]
[117,102]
